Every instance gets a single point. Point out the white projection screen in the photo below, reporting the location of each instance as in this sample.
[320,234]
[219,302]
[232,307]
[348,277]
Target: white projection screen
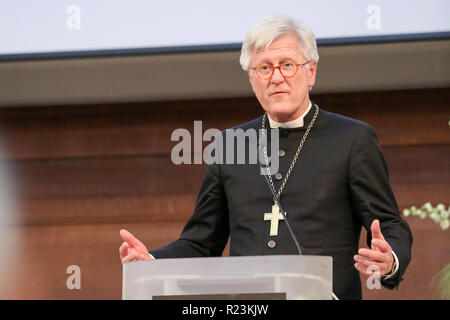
[38,29]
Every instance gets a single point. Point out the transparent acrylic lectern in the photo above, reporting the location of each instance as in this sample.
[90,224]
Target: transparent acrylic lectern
[288,277]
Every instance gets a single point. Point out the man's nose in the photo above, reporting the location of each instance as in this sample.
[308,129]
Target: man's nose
[277,77]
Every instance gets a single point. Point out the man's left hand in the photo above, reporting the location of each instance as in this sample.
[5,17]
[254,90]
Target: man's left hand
[380,254]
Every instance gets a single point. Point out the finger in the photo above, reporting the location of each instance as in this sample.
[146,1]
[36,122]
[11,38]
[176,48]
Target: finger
[380,266]
[129,258]
[146,257]
[135,256]
[132,240]
[123,250]
[367,261]
[373,254]
[382,245]
[376,230]
[367,271]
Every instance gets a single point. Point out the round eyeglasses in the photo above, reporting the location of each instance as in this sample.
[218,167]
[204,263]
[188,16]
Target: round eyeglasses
[288,69]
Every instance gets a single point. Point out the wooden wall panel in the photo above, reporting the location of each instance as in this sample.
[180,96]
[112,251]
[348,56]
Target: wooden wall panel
[400,117]
[106,176]
[84,172]
[155,175]
[107,209]
[49,250]
[145,189]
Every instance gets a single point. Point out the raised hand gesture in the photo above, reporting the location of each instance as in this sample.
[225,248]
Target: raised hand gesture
[132,249]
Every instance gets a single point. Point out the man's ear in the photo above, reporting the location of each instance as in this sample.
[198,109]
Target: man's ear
[312,73]
[250,78]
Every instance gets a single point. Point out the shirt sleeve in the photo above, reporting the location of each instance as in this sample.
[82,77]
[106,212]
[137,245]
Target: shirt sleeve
[394,269]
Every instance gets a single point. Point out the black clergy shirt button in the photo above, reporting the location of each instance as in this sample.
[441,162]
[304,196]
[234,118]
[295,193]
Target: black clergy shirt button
[271,244]
[282,133]
[278,176]
[281,153]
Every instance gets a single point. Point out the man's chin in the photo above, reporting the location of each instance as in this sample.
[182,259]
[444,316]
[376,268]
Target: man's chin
[281,114]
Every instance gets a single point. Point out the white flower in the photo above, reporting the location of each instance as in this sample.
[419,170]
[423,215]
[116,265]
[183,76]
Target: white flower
[427,206]
[445,224]
[438,214]
[436,217]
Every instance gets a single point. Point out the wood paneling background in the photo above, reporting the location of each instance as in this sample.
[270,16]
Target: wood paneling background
[81,173]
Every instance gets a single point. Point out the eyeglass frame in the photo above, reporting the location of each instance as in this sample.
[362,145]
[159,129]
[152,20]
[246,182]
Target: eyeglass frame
[279,69]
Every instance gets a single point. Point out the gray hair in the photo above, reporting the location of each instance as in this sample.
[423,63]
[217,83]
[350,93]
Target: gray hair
[267,30]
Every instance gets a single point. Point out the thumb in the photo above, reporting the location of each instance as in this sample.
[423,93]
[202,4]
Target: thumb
[132,241]
[376,230]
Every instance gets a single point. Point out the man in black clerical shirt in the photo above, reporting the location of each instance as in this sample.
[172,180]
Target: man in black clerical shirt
[332,178]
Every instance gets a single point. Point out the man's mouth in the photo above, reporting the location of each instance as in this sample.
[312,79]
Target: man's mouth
[276,93]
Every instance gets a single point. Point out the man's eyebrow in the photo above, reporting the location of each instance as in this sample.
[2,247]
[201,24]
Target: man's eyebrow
[283,59]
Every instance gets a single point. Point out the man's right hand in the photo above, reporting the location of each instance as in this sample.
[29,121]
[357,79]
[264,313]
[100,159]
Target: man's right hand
[132,249]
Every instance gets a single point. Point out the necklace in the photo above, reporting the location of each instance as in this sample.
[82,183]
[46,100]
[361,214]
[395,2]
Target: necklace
[275,215]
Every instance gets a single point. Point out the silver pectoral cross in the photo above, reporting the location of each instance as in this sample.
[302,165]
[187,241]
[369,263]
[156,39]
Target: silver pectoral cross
[274,217]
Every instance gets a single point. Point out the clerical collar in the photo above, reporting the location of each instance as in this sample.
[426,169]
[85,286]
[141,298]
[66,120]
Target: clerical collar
[297,123]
